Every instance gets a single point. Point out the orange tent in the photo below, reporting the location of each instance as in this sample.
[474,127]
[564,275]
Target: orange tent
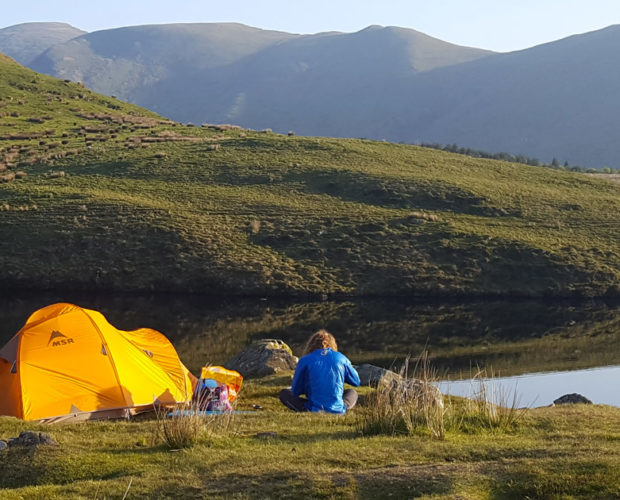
[69,363]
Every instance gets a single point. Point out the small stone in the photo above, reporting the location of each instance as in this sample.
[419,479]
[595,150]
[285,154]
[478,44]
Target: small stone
[31,438]
[28,438]
[3,445]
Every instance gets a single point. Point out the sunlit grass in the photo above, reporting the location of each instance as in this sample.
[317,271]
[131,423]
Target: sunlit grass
[274,452]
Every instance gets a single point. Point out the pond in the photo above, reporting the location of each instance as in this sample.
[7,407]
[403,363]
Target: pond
[601,385]
[507,338]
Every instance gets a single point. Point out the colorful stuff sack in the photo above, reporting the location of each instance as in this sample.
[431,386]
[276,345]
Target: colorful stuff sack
[232,379]
[210,395]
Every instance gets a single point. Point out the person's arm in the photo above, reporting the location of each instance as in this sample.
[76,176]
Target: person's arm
[299,380]
[351,376]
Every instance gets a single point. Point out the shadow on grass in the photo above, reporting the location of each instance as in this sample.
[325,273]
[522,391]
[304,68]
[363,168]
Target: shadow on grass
[586,479]
[336,435]
[401,483]
[410,486]
[19,467]
[29,466]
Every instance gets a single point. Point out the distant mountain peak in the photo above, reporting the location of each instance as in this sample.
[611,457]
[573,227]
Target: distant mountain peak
[24,42]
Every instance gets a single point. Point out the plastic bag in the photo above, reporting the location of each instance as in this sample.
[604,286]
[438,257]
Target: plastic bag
[232,379]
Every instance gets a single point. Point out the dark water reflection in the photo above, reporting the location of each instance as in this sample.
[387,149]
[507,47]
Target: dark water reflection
[511,337]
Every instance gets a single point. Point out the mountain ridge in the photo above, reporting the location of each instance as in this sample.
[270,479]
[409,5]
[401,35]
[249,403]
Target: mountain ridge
[555,100]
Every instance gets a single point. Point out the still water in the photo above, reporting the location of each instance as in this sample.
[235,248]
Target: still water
[602,386]
[509,338]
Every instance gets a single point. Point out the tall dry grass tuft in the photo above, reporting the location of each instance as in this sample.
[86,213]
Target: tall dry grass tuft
[408,403]
[184,425]
[490,406]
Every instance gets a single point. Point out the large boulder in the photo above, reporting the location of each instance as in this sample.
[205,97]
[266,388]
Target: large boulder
[263,357]
[573,398]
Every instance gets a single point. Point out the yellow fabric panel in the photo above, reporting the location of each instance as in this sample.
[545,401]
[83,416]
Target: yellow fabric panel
[62,366]
[9,390]
[231,378]
[162,353]
[143,380]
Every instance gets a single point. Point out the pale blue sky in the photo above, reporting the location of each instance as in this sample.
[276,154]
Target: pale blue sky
[500,25]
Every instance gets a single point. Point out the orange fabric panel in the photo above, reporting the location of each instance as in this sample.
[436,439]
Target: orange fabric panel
[9,390]
[62,366]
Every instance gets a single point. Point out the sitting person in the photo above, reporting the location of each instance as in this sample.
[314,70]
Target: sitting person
[321,374]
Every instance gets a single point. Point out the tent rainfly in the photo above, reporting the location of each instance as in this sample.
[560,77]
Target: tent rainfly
[69,363]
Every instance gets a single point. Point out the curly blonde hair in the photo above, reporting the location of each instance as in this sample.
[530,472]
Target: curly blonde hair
[321,340]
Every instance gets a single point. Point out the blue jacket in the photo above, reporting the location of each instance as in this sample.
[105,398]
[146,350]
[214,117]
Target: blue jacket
[321,376]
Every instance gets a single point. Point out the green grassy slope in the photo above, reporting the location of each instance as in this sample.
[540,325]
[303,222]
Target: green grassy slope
[109,196]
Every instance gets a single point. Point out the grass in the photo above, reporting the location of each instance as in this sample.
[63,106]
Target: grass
[185,425]
[117,198]
[490,406]
[561,452]
[412,405]
[408,404]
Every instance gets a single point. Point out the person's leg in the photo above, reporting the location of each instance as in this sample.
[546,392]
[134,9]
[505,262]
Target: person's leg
[291,401]
[350,398]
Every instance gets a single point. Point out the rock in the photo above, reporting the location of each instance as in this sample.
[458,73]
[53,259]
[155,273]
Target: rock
[3,445]
[371,375]
[573,398]
[263,357]
[415,389]
[46,439]
[28,438]
[31,438]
